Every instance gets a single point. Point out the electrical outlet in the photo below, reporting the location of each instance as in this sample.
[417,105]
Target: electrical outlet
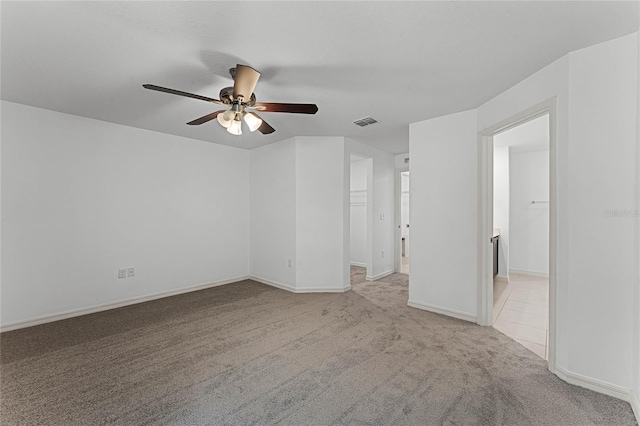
[131,272]
[289,263]
[122,273]
[382,253]
[381,216]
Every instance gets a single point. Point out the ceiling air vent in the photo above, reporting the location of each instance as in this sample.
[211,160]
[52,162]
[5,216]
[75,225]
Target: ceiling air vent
[365,121]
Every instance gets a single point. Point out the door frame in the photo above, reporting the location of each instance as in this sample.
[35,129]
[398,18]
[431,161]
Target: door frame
[485,215]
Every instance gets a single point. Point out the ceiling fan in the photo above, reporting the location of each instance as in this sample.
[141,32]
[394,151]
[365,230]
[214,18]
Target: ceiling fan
[239,99]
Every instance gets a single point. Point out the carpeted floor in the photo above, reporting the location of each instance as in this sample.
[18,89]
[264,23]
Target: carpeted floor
[247,353]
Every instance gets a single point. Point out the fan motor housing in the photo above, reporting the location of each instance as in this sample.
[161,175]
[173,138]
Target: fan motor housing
[226,96]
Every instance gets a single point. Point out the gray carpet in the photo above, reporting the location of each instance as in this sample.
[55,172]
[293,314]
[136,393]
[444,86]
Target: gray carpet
[246,353]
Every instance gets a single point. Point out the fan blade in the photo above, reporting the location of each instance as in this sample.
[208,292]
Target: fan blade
[245,81]
[206,118]
[178,92]
[264,128]
[292,108]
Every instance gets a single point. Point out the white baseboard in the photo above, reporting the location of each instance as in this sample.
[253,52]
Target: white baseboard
[594,384]
[635,405]
[533,273]
[360,264]
[380,275]
[272,283]
[444,311]
[293,289]
[323,290]
[107,306]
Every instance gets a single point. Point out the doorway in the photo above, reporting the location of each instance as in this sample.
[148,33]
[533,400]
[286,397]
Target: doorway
[361,169]
[404,223]
[538,205]
[402,245]
[521,233]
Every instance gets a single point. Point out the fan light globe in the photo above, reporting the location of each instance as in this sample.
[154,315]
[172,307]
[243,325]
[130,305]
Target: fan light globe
[252,121]
[235,128]
[226,118]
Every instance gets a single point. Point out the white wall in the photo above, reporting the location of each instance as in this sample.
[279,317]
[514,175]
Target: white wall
[298,190]
[596,114]
[595,91]
[601,171]
[300,204]
[358,174]
[322,191]
[273,212]
[636,356]
[444,215]
[381,226]
[501,182]
[400,161]
[529,223]
[82,198]
[358,214]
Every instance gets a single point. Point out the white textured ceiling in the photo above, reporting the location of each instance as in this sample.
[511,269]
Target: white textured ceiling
[399,62]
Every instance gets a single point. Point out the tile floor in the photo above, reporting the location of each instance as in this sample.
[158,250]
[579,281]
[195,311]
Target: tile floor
[521,311]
